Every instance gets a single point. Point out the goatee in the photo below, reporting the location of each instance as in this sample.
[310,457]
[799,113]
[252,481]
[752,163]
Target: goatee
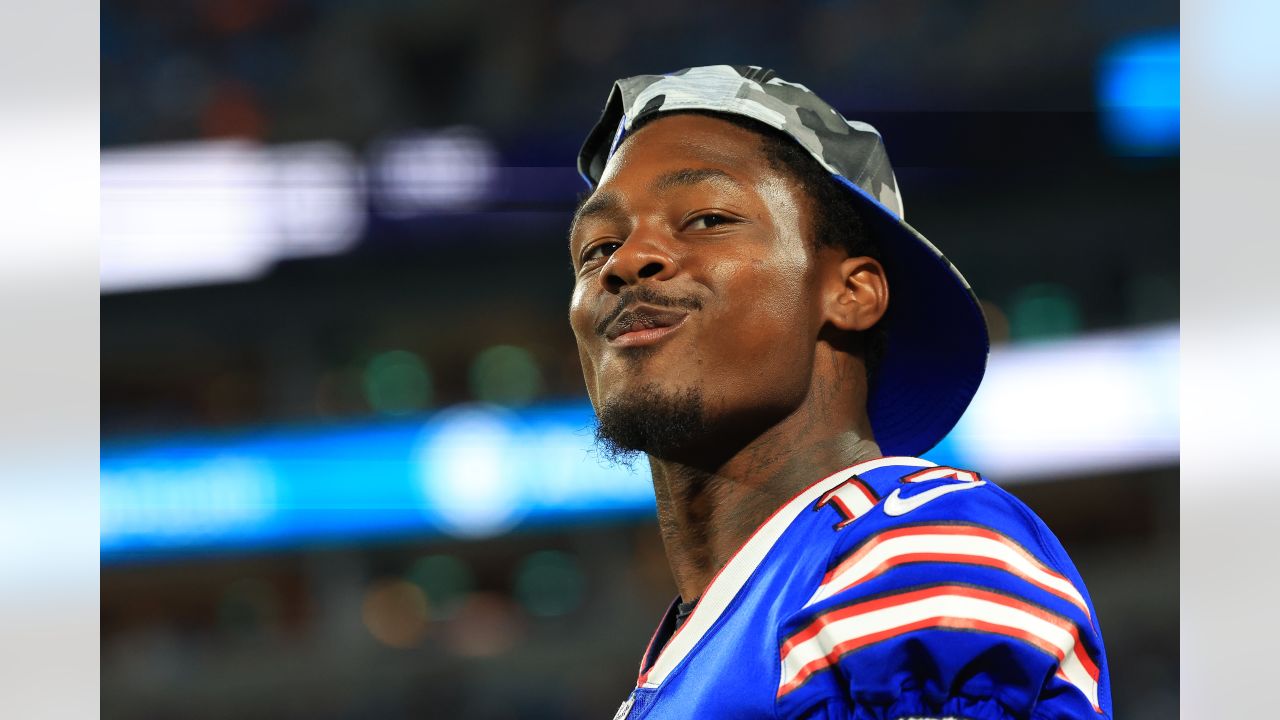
[650,421]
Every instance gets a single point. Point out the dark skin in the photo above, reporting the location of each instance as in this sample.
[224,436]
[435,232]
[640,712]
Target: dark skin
[690,208]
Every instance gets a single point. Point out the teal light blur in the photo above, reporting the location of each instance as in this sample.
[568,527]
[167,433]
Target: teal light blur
[445,579]
[549,583]
[1043,311]
[397,382]
[505,375]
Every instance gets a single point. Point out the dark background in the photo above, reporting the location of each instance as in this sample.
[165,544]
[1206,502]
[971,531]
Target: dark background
[990,113]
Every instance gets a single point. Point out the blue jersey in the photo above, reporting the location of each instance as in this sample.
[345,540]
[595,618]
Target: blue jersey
[893,589]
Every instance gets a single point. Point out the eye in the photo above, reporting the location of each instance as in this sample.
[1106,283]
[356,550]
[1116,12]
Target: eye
[597,252]
[708,221]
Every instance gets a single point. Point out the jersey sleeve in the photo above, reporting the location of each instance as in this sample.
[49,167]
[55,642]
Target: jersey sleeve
[960,604]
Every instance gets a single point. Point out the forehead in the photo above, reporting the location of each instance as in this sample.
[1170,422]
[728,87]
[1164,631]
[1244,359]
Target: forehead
[694,141]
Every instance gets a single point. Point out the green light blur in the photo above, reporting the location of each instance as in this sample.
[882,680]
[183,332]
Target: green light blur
[397,383]
[445,579]
[1043,311]
[505,375]
[549,584]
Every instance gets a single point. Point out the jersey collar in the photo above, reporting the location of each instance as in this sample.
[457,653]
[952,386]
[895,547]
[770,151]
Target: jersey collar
[727,583]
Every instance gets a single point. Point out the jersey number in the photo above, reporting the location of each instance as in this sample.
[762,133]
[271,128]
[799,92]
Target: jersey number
[896,505]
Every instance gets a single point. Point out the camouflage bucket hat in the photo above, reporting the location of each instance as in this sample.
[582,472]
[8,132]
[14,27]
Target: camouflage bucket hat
[937,344]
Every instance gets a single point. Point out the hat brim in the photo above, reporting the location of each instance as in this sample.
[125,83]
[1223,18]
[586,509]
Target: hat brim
[936,338]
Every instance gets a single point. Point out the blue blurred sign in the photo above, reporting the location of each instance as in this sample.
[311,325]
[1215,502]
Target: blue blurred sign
[467,471]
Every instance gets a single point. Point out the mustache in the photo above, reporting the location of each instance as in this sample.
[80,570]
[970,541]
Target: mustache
[647,295]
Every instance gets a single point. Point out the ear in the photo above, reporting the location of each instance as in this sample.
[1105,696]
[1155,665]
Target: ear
[862,296]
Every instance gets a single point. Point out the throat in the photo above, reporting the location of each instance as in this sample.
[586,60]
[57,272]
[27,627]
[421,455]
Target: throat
[705,517]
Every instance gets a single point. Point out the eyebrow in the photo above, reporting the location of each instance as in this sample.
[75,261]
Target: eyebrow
[690,176]
[609,204]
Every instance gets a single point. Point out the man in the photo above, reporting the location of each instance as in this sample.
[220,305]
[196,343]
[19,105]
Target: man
[753,314]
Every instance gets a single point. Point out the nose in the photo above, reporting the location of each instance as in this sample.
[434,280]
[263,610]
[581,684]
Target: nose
[643,255]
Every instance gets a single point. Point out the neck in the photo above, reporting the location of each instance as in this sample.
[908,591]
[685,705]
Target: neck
[708,509]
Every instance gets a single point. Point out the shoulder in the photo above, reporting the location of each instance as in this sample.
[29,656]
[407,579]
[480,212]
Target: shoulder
[940,588]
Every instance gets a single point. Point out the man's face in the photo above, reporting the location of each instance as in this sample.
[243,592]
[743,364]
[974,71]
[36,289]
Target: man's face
[694,276]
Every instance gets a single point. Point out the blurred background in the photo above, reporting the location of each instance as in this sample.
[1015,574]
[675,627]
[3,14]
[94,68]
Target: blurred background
[346,452]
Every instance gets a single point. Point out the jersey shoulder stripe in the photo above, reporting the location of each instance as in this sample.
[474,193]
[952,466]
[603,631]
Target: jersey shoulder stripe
[944,579]
[840,631]
[957,542]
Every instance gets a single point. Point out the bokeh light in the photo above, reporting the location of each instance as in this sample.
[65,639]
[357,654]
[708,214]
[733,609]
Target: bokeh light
[397,383]
[395,612]
[445,579]
[465,471]
[487,624]
[1138,95]
[430,171]
[1043,311]
[549,583]
[505,375]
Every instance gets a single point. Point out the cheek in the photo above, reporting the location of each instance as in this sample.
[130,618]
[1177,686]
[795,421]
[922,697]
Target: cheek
[784,293]
[578,312]
[772,291]
[580,322]
[588,373]
[779,278]
[763,333]
[786,282]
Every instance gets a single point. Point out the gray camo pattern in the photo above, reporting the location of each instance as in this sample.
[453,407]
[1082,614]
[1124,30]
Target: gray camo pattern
[851,149]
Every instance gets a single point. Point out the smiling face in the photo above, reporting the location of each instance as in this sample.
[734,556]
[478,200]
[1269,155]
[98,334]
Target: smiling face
[695,278]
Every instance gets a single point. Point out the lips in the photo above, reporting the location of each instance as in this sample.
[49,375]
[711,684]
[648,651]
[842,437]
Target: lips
[643,324]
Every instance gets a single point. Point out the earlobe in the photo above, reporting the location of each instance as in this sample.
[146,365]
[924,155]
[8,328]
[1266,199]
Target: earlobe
[862,297]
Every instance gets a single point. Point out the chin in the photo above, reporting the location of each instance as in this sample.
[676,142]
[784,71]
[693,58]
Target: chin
[650,418]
